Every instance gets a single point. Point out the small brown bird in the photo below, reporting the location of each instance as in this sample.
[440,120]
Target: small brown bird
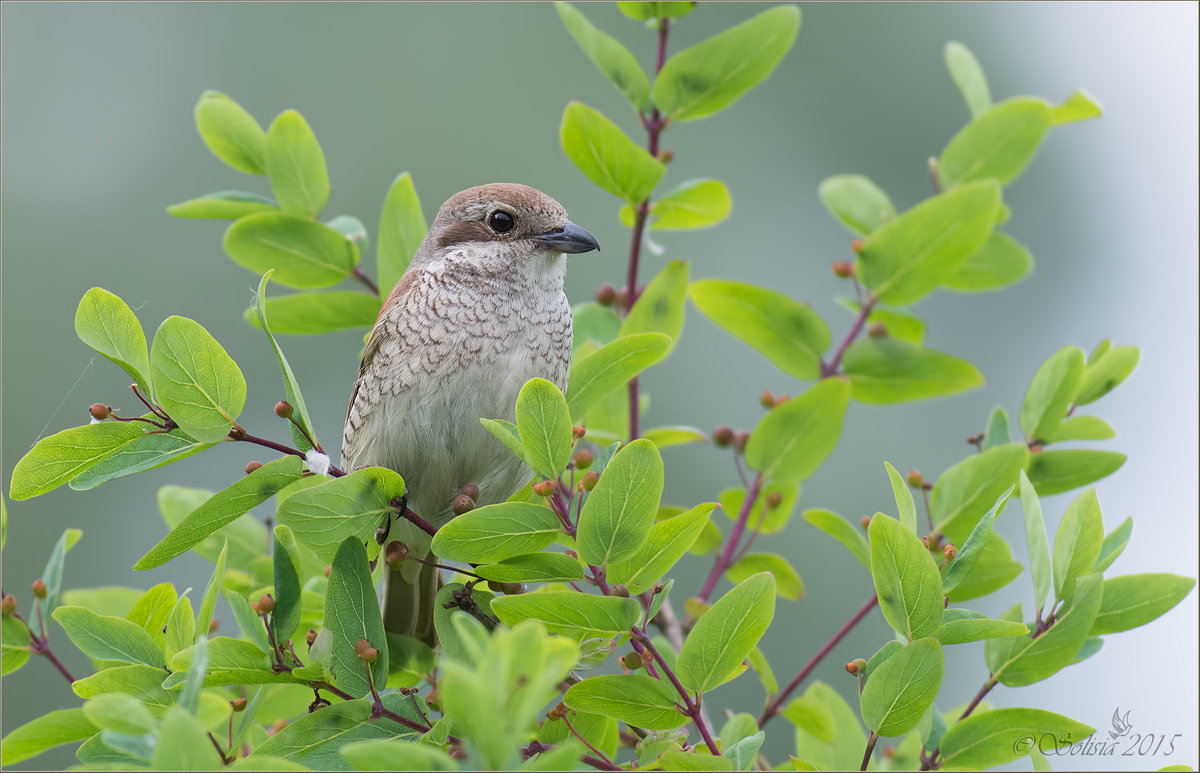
[480,311]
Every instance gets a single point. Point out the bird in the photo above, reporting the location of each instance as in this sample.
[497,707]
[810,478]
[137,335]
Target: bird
[480,310]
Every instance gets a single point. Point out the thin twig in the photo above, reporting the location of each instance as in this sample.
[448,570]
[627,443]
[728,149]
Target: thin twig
[725,559]
[870,748]
[692,706]
[370,283]
[864,311]
[575,732]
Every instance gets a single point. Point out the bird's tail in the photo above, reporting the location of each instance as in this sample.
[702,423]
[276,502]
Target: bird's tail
[408,604]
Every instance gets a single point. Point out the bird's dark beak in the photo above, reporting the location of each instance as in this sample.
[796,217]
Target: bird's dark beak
[570,238]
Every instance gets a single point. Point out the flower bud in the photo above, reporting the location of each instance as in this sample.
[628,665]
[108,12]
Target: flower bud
[571,553]
[267,604]
[860,665]
[877,330]
[395,553]
[100,411]
[866,521]
[950,552]
[433,700]
[856,245]
[914,479]
[852,668]
[1036,448]
[471,490]
[631,660]
[722,436]
[666,156]
[843,269]
[238,704]
[310,637]
[237,433]
[773,499]
[583,459]
[39,588]
[781,399]
[740,438]
[280,724]
[212,626]
[606,295]
[252,466]
[766,399]
[364,650]
[544,488]
[622,299]
[620,590]
[590,480]
[508,588]
[463,504]
[283,409]
[9,605]
[578,431]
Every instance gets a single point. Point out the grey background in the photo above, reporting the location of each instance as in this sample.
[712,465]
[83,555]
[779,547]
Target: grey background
[98,137]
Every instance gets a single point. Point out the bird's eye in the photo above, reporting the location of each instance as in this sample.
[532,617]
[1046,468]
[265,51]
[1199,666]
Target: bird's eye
[501,222]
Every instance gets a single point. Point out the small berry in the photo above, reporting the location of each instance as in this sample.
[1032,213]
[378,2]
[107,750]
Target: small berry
[583,459]
[310,637]
[395,553]
[843,269]
[866,521]
[471,490]
[578,431]
[914,479]
[9,604]
[100,411]
[856,245]
[722,436]
[877,330]
[364,650]
[622,299]
[632,661]
[852,668]
[212,626]
[766,399]
[571,553]
[740,438]
[267,603]
[544,488]
[950,552]
[781,399]
[508,588]
[279,725]
[861,665]
[666,156]
[283,409]
[606,295]
[620,590]
[433,699]
[39,588]
[590,480]
[463,504]
[252,466]
[1036,448]
[238,704]
[774,499]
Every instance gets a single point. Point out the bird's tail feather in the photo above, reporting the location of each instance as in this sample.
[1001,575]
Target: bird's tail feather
[408,605]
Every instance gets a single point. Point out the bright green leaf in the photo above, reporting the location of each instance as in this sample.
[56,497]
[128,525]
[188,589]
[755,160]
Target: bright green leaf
[56,459]
[296,166]
[902,689]
[222,205]
[544,426]
[841,530]
[107,324]
[1080,106]
[354,505]
[1035,538]
[1106,372]
[1114,544]
[787,580]
[968,76]
[606,155]
[1000,736]
[971,551]
[883,371]
[231,133]
[1137,599]
[612,58]
[351,614]
[610,367]
[108,638]
[570,613]
[633,698]
[725,635]
[1000,262]
[659,307]
[1077,543]
[304,253]
[793,439]
[997,144]
[52,729]
[859,203]
[906,579]
[495,532]
[401,229]
[964,492]
[195,381]
[669,539]
[534,567]
[1053,472]
[617,516]
[1051,391]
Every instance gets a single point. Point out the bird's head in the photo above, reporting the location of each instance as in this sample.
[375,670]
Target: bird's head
[509,220]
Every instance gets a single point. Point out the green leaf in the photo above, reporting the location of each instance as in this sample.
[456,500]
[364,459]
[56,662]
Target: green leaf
[900,323]
[607,156]
[841,530]
[195,381]
[142,682]
[231,133]
[56,459]
[676,435]
[995,569]
[304,253]
[693,760]
[610,367]
[1080,106]
[974,627]
[1077,543]
[229,662]
[691,205]
[222,205]
[43,733]
[351,614]
[353,229]
[495,532]
[659,307]
[968,76]
[401,229]
[617,516]
[1017,661]
[315,739]
[52,574]
[14,644]
[859,203]
[1053,472]
[152,610]
[247,537]
[910,255]
[107,324]
[534,567]
[1080,428]
[108,638]
[998,144]
[351,506]
[1137,599]
[973,549]
[725,635]
[1050,392]
[636,699]
[904,498]
[248,620]
[506,432]
[931,728]
[643,11]
[669,539]
[906,579]
[598,730]
[743,753]
[1035,538]
[396,754]
[147,452]
[189,747]
[1113,545]
[457,641]
[612,58]
[1000,262]
[903,688]
[1106,372]
[883,371]
[224,508]
[964,492]
[793,439]
[120,713]
[1000,736]
[996,433]
[208,603]
[544,426]
[711,75]
[776,516]
[788,333]
[324,312]
[573,614]
[296,166]
[593,322]
[837,742]
[302,433]
[181,630]
[788,584]
[287,573]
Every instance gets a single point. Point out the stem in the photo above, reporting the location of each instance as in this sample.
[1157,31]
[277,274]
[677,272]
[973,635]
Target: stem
[217,746]
[864,311]
[156,411]
[594,750]
[692,706]
[311,440]
[57,663]
[360,276]
[726,557]
[933,762]
[773,707]
[40,645]
[412,517]
[870,748]
[599,764]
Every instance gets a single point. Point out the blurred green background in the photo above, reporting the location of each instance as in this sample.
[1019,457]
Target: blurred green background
[98,137]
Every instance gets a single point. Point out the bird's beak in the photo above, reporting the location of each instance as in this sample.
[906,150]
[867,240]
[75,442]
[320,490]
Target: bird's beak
[570,238]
